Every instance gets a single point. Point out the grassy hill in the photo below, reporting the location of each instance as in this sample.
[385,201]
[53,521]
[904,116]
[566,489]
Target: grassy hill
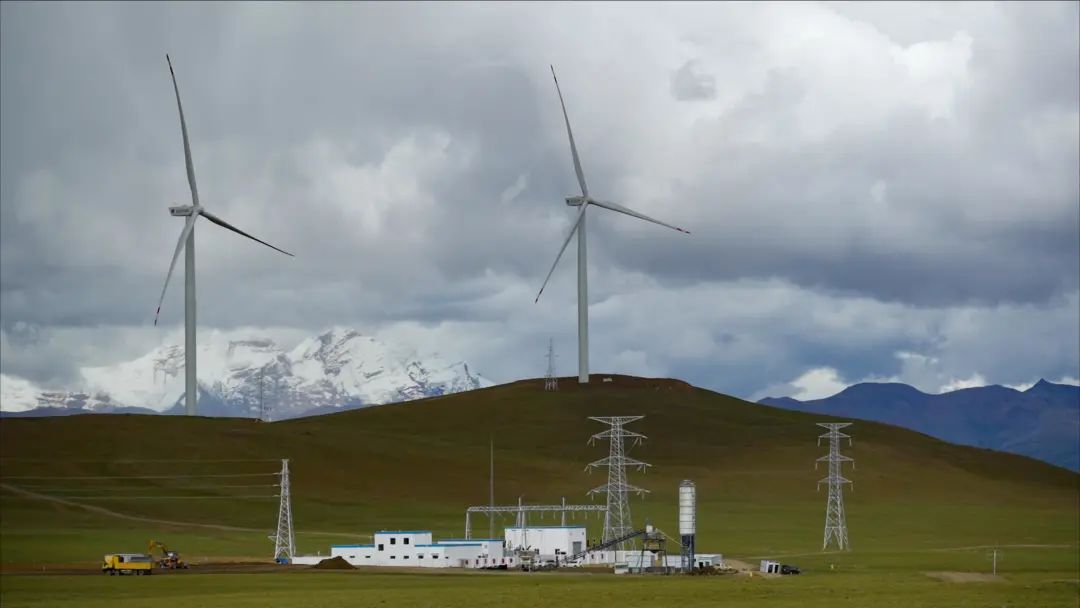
[917,501]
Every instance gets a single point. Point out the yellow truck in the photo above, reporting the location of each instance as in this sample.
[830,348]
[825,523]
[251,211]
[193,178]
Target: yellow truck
[127,563]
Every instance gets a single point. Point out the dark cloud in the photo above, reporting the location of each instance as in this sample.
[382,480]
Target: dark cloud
[924,160]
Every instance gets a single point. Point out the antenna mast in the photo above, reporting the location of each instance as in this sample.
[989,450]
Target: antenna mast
[551,381]
[284,545]
[835,518]
[262,406]
[491,493]
[617,520]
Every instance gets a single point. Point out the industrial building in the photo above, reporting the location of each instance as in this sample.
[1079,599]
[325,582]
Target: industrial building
[547,540]
[416,549]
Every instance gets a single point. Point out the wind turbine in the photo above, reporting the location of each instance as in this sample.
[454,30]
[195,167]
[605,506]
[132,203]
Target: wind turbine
[187,240]
[584,201]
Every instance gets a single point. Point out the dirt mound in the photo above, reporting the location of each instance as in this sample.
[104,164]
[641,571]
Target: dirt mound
[334,563]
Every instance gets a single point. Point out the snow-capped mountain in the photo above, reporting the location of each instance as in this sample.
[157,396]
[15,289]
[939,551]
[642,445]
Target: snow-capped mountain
[340,368]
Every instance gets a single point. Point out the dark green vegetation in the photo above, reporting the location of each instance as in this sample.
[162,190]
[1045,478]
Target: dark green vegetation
[918,504]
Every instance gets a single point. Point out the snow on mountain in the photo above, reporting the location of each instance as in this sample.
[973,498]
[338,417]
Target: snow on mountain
[16,394]
[340,368]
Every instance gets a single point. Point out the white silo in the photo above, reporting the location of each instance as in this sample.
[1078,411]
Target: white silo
[687,522]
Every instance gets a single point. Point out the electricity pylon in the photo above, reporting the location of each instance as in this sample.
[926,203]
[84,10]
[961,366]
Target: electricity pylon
[551,381]
[284,544]
[835,518]
[617,520]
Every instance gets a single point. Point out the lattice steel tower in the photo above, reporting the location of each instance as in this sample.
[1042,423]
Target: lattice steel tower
[835,519]
[284,545]
[551,381]
[617,521]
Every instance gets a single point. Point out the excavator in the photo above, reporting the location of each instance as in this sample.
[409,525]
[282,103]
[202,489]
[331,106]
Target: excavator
[170,560]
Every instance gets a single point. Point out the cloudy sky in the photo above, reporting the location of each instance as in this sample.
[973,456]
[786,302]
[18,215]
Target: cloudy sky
[875,191]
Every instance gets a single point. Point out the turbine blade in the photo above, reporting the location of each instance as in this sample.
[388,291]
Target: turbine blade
[187,146]
[619,208]
[188,226]
[220,222]
[573,229]
[570,134]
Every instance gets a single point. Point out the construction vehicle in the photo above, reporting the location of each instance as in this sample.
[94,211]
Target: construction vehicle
[127,563]
[170,560]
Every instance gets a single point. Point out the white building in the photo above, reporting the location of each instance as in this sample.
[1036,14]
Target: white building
[415,548]
[769,566]
[547,541]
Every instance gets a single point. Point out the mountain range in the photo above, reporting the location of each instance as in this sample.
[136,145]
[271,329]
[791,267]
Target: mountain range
[1042,422]
[337,369]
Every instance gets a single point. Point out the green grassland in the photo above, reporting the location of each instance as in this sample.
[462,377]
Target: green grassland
[918,504]
[325,589]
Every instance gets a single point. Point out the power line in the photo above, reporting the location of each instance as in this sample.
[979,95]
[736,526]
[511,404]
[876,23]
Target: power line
[140,460]
[144,488]
[163,497]
[144,476]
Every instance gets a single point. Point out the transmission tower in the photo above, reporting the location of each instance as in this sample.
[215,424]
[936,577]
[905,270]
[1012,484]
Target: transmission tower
[617,522]
[262,405]
[835,519]
[284,545]
[551,381]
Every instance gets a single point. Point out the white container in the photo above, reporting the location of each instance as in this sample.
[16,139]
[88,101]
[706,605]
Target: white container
[687,508]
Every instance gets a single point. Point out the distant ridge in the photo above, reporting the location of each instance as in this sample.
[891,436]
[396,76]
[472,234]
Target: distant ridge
[1042,422]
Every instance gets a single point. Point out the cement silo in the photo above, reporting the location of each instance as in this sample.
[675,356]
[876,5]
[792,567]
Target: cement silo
[687,522]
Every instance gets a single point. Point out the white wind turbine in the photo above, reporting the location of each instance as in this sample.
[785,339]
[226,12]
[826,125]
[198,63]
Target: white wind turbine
[584,201]
[187,239]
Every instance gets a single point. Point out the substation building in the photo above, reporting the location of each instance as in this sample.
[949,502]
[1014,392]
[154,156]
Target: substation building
[549,542]
[417,549]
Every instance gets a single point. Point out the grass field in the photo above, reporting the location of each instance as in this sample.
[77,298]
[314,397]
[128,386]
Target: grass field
[917,502]
[324,589]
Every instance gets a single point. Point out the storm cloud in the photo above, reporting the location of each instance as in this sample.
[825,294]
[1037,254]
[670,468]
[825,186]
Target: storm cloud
[865,183]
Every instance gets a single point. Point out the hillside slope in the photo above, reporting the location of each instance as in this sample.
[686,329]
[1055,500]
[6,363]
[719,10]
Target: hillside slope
[420,464]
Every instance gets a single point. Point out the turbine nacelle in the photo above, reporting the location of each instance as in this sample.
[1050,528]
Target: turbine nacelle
[576,201]
[182,210]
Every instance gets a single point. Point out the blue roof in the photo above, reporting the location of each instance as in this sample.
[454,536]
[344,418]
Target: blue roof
[469,540]
[403,532]
[349,546]
[452,545]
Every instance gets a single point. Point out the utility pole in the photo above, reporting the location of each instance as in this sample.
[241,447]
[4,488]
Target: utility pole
[262,406]
[835,517]
[284,544]
[551,381]
[617,519]
[491,489]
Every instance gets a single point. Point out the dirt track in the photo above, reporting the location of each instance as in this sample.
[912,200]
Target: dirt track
[108,513]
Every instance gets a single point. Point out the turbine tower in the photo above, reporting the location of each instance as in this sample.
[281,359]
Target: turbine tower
[187,245]
[835,519]
[551,381]
[617,521]
[284,545]
[584,201]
